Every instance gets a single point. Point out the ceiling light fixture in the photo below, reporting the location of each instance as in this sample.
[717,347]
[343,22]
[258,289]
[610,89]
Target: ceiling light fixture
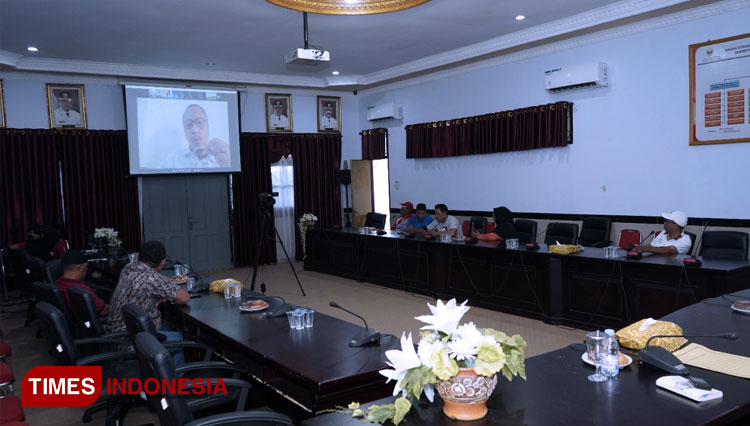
[32,49]
[520,18]
[347,7]
[335,73]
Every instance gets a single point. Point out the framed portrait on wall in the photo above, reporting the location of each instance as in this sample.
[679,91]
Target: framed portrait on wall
[2,106]
[67,106]
[278,112]
[329,114]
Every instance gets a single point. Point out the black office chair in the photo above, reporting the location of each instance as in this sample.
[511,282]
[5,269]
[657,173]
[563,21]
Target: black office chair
[46,292]
[84,311]
[375,220]
[692,241]
[175,410]
[564,233]
[526,230]
[53,270]
[479,224]
[595,232]
[725,245]
[138,321]
[67,351]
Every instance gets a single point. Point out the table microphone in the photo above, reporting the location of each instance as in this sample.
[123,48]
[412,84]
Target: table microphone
[365,336]
[693,260]
[633,254]
[278,310]
[661,359]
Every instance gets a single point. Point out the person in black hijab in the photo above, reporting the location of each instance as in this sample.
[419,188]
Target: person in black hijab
[504,227]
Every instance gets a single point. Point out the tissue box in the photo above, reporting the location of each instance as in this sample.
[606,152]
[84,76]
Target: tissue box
[632,337]
[563,249]
[218,285]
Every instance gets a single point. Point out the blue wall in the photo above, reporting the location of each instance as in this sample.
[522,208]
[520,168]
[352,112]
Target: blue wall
[26,106]
[630,154]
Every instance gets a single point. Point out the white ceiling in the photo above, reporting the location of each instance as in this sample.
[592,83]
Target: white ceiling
[248,39]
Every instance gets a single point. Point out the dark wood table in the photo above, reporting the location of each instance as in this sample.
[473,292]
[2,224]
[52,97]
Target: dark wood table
[584,290]
[310,369]
[558,393]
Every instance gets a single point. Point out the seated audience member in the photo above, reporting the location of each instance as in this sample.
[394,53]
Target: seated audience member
[142,284]
[419,220]
[672,240]
[504,227]
[403,217]
[444,223]
[75,265]
[40,241]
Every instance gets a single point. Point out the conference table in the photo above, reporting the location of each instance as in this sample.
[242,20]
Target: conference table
[304,371]
[584,290]
[557,391]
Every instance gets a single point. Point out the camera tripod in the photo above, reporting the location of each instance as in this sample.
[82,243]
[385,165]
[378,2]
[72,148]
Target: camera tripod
[267,226]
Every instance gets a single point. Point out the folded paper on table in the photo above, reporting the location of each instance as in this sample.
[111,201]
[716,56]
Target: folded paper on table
[632,337]
[722,362]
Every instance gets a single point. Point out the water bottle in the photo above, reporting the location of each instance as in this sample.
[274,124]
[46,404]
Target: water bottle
[611,361]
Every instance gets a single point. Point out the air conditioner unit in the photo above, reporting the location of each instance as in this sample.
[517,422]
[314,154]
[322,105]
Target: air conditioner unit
[585,75]
[385,111]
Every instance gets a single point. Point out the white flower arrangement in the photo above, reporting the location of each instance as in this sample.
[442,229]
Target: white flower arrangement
[444,346]
[110,234]
[307,220]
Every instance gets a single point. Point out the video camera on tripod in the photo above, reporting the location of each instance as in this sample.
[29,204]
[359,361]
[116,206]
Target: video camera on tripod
[266,200]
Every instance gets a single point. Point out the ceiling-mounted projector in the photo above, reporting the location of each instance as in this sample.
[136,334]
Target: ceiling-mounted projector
[307,56]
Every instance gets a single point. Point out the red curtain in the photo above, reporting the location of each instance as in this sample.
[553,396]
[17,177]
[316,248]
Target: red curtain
[374,144]
[97,188]
[29,182]
[542,126]
[317,157]
[255,179]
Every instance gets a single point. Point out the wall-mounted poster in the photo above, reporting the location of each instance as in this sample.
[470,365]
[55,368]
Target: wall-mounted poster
[67,106]
[720,91]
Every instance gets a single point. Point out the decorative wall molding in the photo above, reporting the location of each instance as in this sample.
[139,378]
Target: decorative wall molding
[604,35]
[604,15]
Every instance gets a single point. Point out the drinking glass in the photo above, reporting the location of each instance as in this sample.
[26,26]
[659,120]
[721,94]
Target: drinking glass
[132,257]
[596,350]
[511,244]
[190,283]
[299,319]
[309,318]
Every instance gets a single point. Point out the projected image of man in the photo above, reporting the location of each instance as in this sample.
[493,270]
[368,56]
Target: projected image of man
[200,152]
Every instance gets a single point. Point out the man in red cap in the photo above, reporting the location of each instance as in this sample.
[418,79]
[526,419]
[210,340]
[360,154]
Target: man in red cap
[404,216]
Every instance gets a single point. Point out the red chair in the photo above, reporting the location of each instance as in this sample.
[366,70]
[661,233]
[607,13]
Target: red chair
[466,227]
[491,227]
[7,378]
[60,248]
[628,237]
[10,410]
[4,350]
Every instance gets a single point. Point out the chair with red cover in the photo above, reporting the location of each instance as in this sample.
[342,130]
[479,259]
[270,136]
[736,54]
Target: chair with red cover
[628,237]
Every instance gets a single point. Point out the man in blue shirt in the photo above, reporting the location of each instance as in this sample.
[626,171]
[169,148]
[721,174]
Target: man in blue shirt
[419,220]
